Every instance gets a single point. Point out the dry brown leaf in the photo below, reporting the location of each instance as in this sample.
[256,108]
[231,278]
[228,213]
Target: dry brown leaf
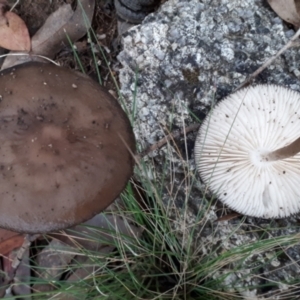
[62,27]
[54,34]
[286,10]
[228,217]
[98,237]
[13,32]
[51,262]
[9,241]
[48,33]
[102,233]
[22,277]
[297,5]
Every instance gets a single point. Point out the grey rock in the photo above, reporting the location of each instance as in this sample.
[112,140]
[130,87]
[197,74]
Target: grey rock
[175,66]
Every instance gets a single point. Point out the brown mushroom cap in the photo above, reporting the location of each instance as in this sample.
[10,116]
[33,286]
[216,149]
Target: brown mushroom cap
[64,148]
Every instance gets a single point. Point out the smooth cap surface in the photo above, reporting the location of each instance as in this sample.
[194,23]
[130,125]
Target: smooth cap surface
[232,143]
[63,148]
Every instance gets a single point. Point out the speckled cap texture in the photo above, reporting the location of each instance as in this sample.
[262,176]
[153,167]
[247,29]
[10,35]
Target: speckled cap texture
[65,148]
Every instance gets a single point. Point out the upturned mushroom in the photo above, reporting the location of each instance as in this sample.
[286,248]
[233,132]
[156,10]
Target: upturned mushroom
[247,151]
[65,148]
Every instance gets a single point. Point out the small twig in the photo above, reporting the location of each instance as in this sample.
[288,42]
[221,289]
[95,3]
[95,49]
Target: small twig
[28,239]
[288,45]
[166,139]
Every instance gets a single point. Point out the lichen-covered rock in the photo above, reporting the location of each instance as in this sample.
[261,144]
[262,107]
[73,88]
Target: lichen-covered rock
[177,56]
[176,65]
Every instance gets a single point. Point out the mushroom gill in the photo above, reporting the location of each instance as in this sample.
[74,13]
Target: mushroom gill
[247,151]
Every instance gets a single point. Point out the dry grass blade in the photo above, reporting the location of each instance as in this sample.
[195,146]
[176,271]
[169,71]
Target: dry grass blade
[166,139]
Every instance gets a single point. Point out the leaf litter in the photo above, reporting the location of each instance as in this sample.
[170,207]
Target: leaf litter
[62,28]
[68,247]
[14,34]
[287,10]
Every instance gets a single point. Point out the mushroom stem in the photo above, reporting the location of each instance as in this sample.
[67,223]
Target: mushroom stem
[285,152]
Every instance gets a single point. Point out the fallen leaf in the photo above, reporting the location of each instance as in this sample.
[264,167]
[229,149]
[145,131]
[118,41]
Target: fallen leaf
[45,41]
[297,5]
[21,285]
[99,232]
[287,10]
[83,268]
[49,39]
[13,31]
[61,28]
[228,217]
[52,261]
[9,241]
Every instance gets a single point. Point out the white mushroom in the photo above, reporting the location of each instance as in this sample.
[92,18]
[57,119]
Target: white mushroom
[247,151]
